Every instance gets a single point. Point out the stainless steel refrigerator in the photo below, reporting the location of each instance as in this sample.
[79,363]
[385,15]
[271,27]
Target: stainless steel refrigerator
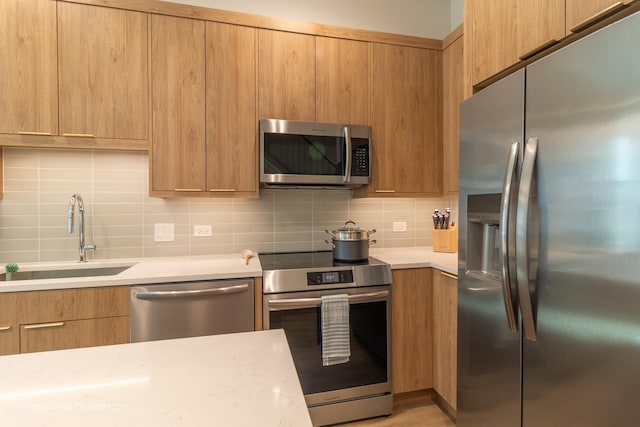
[549,251]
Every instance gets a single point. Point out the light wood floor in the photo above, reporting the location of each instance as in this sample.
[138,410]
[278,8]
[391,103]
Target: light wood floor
[415,410]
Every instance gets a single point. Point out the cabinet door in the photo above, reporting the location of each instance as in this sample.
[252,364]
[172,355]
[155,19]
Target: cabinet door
[231,109]
[406,99]
[9,335]
[286,76]
[581,13]
[411,330]
[178,98]
[540,23]
[342,81]
[74,334]
[445,335]
[452,96]
[28,67]
[493,35]
[102,59]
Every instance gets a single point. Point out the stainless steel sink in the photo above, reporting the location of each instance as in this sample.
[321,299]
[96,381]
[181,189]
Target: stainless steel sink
[58,274]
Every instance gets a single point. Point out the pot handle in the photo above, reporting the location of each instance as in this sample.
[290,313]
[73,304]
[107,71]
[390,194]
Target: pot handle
[333,236]
[349,222]
[372,231]
[372,242]
[330,244]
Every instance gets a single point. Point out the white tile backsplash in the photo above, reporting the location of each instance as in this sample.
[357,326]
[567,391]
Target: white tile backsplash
[120,214]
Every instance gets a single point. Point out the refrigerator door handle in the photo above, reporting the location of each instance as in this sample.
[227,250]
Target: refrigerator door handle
[525,287]
[506,237]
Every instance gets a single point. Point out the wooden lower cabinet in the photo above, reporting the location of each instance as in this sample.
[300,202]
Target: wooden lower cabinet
[74,334]
[445,335]
[411,342]
[62,319]
[9,337]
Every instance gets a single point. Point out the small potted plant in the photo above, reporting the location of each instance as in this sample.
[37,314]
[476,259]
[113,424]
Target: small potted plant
[9,269]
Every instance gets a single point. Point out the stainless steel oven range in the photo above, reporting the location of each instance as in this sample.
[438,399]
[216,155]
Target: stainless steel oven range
[293,284]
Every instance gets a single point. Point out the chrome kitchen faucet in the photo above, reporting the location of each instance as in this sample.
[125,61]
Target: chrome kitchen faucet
[72,204]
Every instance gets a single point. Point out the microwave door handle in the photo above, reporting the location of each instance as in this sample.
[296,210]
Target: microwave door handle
[347,170]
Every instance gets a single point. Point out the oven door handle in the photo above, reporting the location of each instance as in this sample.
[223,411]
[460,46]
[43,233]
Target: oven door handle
[297,303]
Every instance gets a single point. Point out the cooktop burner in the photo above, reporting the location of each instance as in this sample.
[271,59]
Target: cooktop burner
[307,260]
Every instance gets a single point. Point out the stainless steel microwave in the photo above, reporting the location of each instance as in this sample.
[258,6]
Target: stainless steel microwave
[294,153]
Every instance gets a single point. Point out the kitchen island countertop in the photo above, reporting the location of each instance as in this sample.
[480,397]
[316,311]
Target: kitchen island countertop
[246,379]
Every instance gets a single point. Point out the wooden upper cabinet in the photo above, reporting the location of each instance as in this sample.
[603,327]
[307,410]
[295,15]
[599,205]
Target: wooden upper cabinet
[178,99]
[452,96]
[540,24]
[102,60]
[581,13]
[28,67]
[286,76]
[406,109]
[231,109]
[493,36]
[342,81]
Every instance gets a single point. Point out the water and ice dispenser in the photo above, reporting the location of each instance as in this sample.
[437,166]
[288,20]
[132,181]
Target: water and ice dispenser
[483,235]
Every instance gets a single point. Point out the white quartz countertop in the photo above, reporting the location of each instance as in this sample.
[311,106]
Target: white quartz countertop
[204,267]
[246,379]
[417,257]
[145,270]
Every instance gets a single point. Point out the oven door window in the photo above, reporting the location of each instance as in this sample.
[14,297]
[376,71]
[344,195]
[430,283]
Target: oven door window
[368,338]
[303,155]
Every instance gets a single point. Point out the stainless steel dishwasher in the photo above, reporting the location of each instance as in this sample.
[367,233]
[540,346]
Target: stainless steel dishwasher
[190,309]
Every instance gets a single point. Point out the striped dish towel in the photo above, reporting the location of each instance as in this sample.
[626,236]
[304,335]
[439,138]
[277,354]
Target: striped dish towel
[335,329]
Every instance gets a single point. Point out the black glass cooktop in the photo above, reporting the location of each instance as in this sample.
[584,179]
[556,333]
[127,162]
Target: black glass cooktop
[307,260]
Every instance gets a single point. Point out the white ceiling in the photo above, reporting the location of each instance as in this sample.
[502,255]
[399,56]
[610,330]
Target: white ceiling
[423,18]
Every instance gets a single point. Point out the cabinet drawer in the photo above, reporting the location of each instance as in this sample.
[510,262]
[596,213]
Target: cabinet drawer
[73,334]
[72,304]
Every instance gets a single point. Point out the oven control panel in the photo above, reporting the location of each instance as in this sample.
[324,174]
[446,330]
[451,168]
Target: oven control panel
[329,277]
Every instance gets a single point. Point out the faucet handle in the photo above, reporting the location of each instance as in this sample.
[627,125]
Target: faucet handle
[90,247]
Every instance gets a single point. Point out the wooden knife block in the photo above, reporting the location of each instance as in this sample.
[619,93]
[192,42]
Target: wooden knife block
[445,240]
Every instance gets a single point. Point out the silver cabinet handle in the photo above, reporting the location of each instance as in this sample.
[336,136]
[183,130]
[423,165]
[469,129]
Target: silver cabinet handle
[347,170]
[5,328]
[506,235]
[194,293]
[522,238]
[297,303]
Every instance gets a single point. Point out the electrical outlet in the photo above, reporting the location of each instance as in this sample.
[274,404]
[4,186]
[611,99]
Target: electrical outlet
[399,226]
[202,230]
[163,232]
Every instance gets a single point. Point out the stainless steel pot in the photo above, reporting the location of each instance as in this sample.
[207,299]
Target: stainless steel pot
[350,243]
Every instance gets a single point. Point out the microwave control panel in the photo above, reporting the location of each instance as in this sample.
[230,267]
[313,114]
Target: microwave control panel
[360,166]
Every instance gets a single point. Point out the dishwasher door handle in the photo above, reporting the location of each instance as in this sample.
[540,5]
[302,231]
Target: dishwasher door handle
[149,295]
[297,303]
